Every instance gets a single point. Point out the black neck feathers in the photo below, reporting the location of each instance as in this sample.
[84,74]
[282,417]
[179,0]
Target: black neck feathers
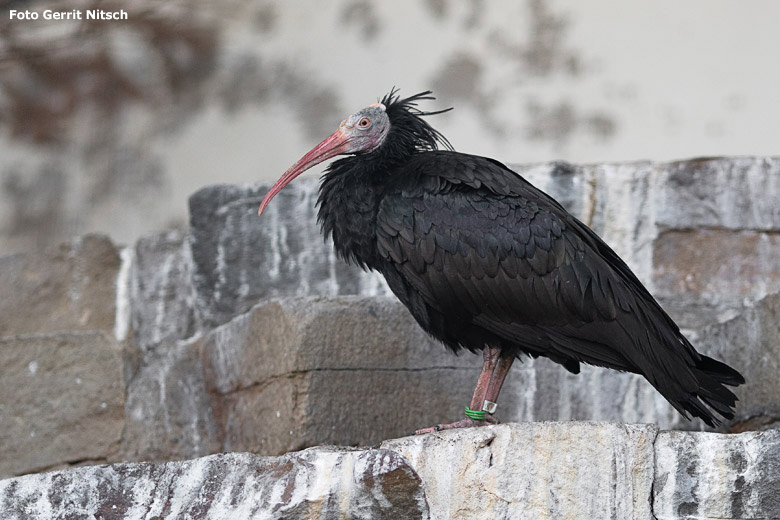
[352,187]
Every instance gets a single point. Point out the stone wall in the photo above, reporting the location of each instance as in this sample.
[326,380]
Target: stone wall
[248,335]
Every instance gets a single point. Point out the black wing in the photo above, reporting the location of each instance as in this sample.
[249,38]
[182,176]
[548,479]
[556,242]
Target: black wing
[480,245]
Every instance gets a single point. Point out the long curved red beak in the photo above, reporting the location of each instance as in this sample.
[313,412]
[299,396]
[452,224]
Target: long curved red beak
[335,144]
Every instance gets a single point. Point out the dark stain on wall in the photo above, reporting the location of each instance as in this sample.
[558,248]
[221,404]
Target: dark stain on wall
[541,53]
[362,15]
[35,204]
[560,122]
[266,17]
[459,78]
[47,78]
[438,8]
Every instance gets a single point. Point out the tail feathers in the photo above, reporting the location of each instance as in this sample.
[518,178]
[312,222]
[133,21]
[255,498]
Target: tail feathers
[711,397]
[720,371]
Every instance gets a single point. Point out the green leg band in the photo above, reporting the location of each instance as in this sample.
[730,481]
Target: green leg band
[474,414]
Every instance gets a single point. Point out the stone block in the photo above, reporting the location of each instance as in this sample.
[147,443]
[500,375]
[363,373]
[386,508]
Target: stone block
[61,400]
[348,408]
[620,204]
[709,476]
[715,268]
[69,287]
[317,483]
[163,296]
[303,371]
[737,193]
[240,258]
[535,470]
[168,410]
[750,343]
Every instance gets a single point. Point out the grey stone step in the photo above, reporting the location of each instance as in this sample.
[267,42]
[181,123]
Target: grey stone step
[549,470]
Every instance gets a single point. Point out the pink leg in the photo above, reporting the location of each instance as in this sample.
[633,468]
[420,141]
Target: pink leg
[494,370]
[497,381]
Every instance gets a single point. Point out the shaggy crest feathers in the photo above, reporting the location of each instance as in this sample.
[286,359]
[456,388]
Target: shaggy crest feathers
[407,126]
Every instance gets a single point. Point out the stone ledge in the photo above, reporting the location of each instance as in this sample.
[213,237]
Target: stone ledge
[573,470]
[324,482]
[535,470]
[709,475]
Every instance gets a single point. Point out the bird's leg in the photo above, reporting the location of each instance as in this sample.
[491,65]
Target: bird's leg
[490,359]
[496,382]
[486,389]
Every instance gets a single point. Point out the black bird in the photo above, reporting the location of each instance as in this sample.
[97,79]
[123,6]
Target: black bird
[485,261]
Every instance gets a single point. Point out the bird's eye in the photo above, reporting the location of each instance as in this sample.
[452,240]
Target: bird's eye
[364,123]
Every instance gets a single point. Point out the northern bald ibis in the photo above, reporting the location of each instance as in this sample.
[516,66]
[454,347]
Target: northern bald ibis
[485,261]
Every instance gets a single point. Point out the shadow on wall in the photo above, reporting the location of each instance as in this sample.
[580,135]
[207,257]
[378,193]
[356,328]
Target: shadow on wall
[90,108]
[84,102]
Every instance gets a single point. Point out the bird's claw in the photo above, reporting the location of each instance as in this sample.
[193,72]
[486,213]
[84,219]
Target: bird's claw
[463,423]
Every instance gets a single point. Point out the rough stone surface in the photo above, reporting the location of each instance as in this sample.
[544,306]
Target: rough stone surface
[535,470]
[240,258]
[303,371]
[569,470]
[710,476]
[168,412]
[70,287]
[163,297]
[715,268]
[318,483]
[751,344]
[61,400]
[737,193]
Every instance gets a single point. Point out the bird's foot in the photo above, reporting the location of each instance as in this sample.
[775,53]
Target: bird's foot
[463,423]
